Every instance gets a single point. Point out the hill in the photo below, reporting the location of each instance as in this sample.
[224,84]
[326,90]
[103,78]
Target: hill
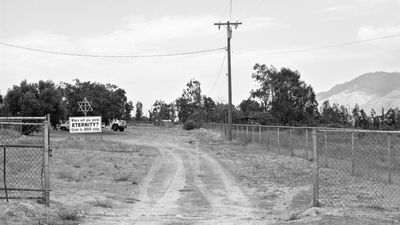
[370,91]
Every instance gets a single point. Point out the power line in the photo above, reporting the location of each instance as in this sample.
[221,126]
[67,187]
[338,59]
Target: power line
[257,8]
[219,73]
[331,46]
[111,56]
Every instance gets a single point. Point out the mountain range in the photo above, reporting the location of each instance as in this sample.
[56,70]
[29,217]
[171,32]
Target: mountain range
[370,91]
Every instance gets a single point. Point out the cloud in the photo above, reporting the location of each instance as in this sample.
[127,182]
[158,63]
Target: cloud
[254,23]
[336,9]
[370,32]
[139,35]
[374,2]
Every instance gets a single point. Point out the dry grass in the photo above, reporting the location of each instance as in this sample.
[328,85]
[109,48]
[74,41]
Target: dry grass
[88,174]
[69,214]
[270,175]
[106,203]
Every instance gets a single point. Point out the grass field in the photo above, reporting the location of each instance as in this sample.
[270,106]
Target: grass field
[99,177]
[345,199]
[87,173]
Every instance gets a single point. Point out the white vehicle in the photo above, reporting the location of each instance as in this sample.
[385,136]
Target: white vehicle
[118,125]
[64,126]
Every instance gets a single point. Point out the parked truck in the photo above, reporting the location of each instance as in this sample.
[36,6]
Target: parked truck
[118,125]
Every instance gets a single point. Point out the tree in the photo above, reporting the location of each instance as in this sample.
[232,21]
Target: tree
[284,95]
[375,121]
[188,105]
[108,101]
[248,107]
[208,108]
[139,111]
[364,120]
[356,116]
[161,110]
[390,119]
[128,109]
[2,109]
[35,99]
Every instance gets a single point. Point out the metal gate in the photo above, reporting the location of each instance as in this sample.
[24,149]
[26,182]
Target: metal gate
[24,158]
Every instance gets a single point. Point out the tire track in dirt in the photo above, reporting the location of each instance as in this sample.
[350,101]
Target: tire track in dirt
[185,185]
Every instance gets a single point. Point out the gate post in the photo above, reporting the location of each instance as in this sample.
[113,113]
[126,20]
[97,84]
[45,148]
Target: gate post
[46,161]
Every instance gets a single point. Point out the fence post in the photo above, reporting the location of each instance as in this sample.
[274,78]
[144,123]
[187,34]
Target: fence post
[268,139]
[326,149]
[279,146]
[225,130]
[315,201]
[259,134]
[291,141]
[46,161]
[233,131]
[237,131]
[353,155]
[247,133]
[5,173]
[389,160]
[252,134]
[307,144]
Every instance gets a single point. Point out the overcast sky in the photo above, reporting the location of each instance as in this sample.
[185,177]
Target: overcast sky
[134,27]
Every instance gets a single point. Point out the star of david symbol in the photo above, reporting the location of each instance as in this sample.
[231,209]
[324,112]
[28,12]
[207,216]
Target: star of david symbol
[85,106]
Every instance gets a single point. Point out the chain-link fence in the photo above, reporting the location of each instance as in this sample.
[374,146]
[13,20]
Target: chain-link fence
[292,141]
[362,167]
[24,155]
[353,167]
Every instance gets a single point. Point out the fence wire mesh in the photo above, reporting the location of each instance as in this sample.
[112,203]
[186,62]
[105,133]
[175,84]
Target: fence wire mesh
[22,144]
[361,167]
[356,168]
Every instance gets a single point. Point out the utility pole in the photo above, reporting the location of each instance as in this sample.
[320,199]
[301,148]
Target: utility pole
[229,36]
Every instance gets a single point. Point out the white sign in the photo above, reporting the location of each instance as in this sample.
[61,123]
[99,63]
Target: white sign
[90,124]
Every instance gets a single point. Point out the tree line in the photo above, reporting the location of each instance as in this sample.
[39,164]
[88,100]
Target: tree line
[280,98]
[61,101]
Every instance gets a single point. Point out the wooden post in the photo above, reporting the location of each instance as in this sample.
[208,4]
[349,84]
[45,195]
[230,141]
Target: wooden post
[46,168]
[291,141]
[315,201]
[268,139]
[252,134]
[389,160]
[259,134]
[307,144]
[225,131]
[237,131]
[5,173]
[326,149]
[279,146]
[247,133]
[353,155]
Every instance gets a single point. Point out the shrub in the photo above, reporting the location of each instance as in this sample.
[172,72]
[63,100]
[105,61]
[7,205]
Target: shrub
[68,214]
[190,125]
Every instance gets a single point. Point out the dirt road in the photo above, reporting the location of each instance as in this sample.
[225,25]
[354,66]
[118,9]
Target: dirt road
[185,185]
[172,176]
